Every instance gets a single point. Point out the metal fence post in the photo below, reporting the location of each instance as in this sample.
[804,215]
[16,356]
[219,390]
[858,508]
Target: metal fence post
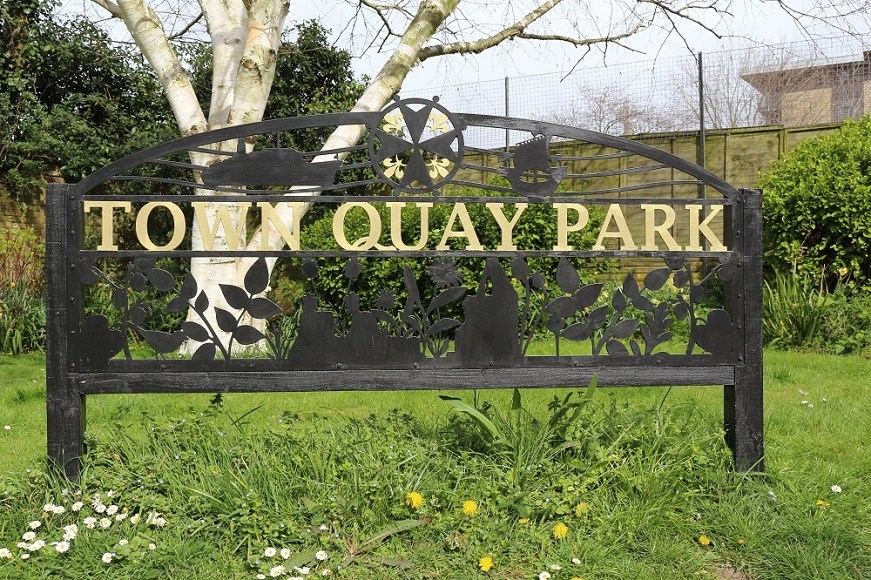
[742,402]
[65,406]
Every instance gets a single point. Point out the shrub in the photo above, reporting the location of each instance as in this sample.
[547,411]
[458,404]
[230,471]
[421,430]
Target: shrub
[22,288]
[535,230]
[792,310]
[817,206]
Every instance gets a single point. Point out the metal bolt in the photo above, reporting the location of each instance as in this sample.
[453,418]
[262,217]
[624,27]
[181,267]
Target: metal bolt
[415,365]
[72,298]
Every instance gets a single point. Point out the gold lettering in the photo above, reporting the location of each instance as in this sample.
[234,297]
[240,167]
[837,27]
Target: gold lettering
[270,221]
[695,227]
[468,229]
[178,226]
[615,214]
[107,220]
[562,224]
[396,225]
[233,231]
[368,241]
[507,227]
[651,229]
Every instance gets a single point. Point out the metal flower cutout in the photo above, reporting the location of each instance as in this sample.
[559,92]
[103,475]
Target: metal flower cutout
[418,146]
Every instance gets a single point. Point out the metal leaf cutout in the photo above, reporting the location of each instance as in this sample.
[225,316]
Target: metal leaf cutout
[235,296]
[226,321]
[567,277]
[257,277]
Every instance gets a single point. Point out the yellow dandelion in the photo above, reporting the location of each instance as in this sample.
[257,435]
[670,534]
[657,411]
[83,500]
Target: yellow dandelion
[823,503]
[843,271]
[741,541]
[577,578]
[581,509]
[523,521]
[470,507]
[414,499]
[704,540]
[560,531]
[486,563]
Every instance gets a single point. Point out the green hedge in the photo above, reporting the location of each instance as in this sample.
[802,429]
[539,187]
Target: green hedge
[535,230]
[817,207]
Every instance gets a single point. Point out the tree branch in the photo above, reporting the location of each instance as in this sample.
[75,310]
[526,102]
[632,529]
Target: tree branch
[147,31]
[109,7]
[227,23]
[260,55]
[184,30]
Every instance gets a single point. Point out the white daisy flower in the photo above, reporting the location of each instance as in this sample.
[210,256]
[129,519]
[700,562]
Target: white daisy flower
[5,554]
[321,555]
[62,547]
[836,489]
[29,536]
[108,557]
[105,523]
[111,510]
[35,524]
[90,522]
[123,542]
[277,571]
[77,506]
[269,552]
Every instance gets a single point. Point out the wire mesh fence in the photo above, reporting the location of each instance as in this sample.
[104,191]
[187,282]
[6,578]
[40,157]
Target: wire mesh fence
[793,84]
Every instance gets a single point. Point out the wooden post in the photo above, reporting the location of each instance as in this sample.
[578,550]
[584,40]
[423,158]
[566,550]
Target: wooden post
[742,402]
[65,405]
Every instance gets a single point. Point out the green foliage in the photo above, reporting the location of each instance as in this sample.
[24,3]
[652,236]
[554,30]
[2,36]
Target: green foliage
[649,476]
[792,310]
[22,290]
[67,94]
[536,230]
[800,313]
[817,206]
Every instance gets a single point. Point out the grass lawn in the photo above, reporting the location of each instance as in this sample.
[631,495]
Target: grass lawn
[641,484]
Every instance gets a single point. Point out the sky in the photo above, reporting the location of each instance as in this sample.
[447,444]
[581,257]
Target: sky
[760,21]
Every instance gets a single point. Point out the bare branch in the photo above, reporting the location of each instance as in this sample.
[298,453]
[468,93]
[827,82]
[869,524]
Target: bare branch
[109,7]
[190,25]
[483,44]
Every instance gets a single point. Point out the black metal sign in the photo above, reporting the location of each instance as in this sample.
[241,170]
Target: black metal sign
[459,312]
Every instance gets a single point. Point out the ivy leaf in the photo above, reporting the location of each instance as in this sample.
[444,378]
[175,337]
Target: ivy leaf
[160,279]
[247,334]
[567,277]
[257,277]
[235,296]
[226,320]
[655,279]
[195,331]
[263,308]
